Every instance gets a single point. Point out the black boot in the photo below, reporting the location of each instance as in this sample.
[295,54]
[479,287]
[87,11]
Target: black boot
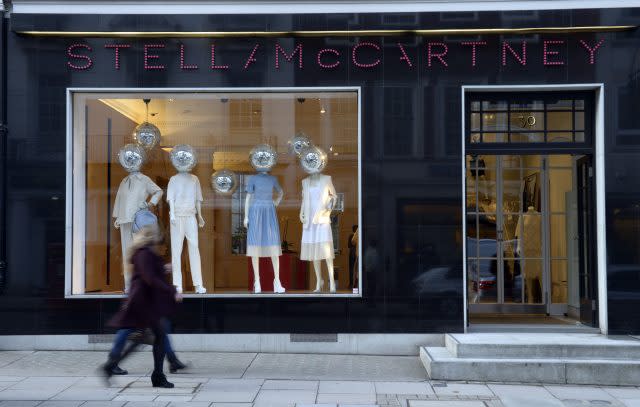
[160,380]
[118,371]
[107,369]
[175,364]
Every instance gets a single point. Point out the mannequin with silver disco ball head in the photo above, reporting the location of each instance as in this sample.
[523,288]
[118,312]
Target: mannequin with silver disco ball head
[318,199]
[260,219]
[136,192]
[184,196]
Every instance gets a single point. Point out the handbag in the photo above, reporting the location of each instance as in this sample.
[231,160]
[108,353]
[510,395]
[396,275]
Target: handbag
[142,336]
[144,217]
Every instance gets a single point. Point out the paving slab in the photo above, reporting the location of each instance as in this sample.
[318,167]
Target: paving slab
[623,392]
[226,396]
[147,404]
[32,394]
[104,404]
[446,403]
[631,402]
[336,367]
[403,388]
[250,385]
[290,385]
[135,397]
[578,393]
[60,403]
[8,357]
[353,387]
[463,389]
[343,398]
[290,398]
[18,403]
[174,397]
[89,394]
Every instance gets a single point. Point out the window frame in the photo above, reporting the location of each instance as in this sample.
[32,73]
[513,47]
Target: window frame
[75,217]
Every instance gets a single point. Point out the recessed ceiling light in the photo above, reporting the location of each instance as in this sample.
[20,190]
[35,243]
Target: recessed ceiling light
[322,110]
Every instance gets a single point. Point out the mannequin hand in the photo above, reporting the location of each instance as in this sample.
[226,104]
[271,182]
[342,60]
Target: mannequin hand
[116,224]
[246,222]
[178,297]
[200,221]
[150,205]
[172,219]
[302,218]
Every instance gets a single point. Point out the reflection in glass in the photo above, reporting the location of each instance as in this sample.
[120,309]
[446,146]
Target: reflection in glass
[527,121]
[527,137]
[559,278]
[528,105]
[475,121]
[560,137]
[559,121]
[494,137]
[562,104]
[494,122]
[559,239]
[489,106]
[579,121]
[531,270]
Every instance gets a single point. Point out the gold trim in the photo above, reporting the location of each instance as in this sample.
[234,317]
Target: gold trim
[335,33]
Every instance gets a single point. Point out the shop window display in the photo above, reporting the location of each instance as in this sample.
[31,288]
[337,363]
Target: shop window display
[259,186]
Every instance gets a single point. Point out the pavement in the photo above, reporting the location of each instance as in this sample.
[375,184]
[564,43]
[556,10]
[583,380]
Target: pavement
[71,379]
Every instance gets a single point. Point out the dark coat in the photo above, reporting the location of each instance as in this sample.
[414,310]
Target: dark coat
[150,296]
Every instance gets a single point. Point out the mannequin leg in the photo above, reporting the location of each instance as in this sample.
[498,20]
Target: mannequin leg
[191,233]
[177,238]
[255,262]
[277,286]
[332,282]
[126,238]
[317,268]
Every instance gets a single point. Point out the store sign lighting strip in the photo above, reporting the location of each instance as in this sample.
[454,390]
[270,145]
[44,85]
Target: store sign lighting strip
[334,33]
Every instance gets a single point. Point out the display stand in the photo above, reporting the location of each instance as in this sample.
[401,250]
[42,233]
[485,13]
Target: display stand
[293,273]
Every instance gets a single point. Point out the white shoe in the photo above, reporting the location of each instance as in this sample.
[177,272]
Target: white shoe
[201,290]
[332,288]
[256,287]
[277,287]
[319,286]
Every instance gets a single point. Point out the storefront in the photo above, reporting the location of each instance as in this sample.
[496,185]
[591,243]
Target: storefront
[466,167]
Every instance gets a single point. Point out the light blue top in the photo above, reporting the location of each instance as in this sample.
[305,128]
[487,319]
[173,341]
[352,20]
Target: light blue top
[263,228]
[262,186]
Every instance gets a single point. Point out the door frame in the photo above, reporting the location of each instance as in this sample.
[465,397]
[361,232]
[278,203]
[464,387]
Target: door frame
[599,162]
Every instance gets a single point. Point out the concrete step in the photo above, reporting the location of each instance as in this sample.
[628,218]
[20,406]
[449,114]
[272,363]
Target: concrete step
[441,364]
[542,346]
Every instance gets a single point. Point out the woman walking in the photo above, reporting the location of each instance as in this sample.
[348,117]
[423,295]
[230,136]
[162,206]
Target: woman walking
[151,300]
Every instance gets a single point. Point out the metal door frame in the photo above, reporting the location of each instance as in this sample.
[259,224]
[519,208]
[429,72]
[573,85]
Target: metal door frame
[599,164]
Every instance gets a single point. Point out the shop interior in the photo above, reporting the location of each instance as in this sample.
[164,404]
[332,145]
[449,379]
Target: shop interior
[223,128]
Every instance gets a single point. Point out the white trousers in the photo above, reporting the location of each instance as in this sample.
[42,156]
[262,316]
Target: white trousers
[185,226]
[126,239]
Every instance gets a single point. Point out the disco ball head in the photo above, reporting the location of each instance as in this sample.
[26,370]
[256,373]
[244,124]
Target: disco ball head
[183,157]
[131,157]
[263,157]
[313,160]
[224,182]
[147,135]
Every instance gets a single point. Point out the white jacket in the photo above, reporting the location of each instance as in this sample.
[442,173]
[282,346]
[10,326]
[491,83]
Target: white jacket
[132,196]
[327,199]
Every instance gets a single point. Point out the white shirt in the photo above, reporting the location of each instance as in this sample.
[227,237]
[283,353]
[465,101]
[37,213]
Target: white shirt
[184,191]
[132,196]
[324,200]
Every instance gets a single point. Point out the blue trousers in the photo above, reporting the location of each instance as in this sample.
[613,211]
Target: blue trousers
[121,340]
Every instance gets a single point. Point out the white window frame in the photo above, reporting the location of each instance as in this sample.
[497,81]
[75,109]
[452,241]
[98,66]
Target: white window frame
[75,219]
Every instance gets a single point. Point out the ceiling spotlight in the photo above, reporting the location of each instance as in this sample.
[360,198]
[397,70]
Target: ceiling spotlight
[301,100]
[171,100]
[322,110]
[224,100]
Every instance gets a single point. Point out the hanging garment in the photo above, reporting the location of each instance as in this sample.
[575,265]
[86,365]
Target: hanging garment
[529,234]
[185,227]
[263,233]
[318,195]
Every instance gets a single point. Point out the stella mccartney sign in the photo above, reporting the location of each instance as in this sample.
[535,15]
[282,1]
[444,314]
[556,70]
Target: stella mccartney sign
[363,55]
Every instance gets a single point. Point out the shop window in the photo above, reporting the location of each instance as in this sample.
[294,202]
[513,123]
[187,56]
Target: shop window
[220,128]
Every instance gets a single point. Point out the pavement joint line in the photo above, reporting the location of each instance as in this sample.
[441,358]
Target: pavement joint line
[255,356]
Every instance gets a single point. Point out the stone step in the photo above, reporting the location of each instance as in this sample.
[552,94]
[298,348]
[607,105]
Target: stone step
[441,364]
[542,346]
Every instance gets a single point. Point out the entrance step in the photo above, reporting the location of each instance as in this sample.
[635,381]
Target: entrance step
[535,358]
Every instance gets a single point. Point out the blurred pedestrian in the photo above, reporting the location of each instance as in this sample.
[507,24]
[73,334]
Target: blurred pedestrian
[151,300]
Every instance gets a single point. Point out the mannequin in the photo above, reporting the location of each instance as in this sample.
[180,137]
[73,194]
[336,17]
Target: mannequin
[184,196]
[318,198]
[136,192]
[263,232]
[529,234]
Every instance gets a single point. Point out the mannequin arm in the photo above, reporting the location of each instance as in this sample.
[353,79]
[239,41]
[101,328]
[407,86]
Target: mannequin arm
[199,211]
[155,198]
[172,217]
[333,196]
[247,202]
[278,199]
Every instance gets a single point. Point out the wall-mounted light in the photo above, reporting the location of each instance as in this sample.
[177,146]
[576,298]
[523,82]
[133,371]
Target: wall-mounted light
[322,111]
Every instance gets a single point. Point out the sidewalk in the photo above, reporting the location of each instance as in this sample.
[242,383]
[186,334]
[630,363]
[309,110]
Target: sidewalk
[70,379]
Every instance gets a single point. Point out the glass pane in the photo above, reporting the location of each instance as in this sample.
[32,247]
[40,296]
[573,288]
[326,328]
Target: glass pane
[531,270]
[528,105]
[579,121]
[484,281]
[559,281]
[527,121]
[509,232]
[529,234]
[489,106]
[559,121]
[559,238]
[512,281]
[475,138]
[562,104]
[564,137]
[531,161]
[494,122]
[475,121]
[511,190]
[560,182]
[494,138]
[527,137]
[475,105]
[580,104]
[580,137]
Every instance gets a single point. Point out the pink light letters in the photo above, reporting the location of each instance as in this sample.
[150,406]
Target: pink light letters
[148,56]
[473,45]
[546,53]
[213,59]
[251,59]
[521,59]
[70,53]
[354,55]
[182,64]
[592,50]
[117,47]
[330,51]
[404,56]
[440,56]
[297,49]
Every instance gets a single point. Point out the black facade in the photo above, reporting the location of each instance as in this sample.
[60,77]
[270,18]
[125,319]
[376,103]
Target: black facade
[411,153]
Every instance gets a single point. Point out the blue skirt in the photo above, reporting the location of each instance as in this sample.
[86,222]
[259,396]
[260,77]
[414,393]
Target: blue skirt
[263,234]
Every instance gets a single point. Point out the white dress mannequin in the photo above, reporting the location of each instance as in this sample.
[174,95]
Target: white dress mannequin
[136,192]
[263,235]
[529,234]
[318,198]
[184,196]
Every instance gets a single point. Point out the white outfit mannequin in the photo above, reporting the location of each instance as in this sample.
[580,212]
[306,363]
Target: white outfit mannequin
[318,198]
[529,234]
[263,251]
[134,191]
[185,198]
